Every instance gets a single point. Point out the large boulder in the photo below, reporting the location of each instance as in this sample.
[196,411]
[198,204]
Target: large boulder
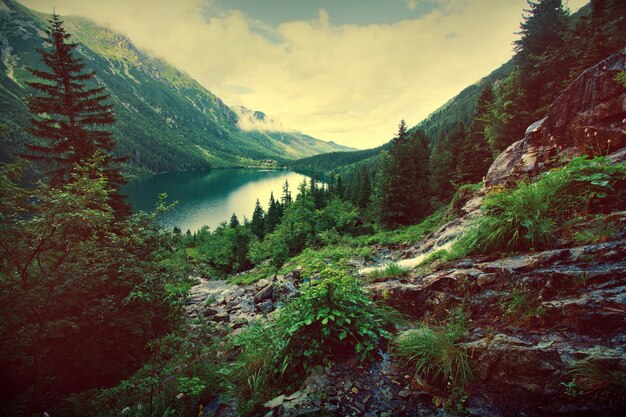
[588,118]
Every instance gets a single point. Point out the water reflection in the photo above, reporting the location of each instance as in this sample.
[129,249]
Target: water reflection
[209,197]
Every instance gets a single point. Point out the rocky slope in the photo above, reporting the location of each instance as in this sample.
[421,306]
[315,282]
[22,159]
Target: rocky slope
[547,330]
[166,120]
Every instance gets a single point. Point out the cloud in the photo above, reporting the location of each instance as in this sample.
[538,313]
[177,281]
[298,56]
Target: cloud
[249,120]
[411,4]
[347,83]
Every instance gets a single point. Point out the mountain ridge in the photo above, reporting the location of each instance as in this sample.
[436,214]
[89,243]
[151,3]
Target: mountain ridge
[167,121]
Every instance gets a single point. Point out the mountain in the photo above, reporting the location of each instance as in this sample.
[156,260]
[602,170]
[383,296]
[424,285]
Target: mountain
[166,120]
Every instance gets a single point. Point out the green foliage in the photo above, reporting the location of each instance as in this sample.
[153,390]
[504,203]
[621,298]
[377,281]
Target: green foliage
[521,305]
[82,292]
[332,317]
[529,216]
[600,232]
[621,78]
[409,234]
[436,354]
[508,116]
[401,182]
[328,162]
[314,260]
[474,155]
[182,371]
[393,270]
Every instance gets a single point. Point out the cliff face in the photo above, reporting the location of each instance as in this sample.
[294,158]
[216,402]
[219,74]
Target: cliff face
[588,118]
[548,333]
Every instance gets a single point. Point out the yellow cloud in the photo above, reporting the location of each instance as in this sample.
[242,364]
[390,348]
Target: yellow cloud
[347,83]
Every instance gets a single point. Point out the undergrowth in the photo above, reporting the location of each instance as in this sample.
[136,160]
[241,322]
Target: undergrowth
[435,352]
[529,216]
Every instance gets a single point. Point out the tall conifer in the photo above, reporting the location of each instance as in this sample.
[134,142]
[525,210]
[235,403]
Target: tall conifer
[71,118]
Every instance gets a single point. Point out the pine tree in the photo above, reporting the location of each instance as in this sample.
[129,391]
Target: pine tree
[509,115]
[402,183]
[234,221]
[542,53]
[286,197]
[340,189]
[274,213]
[361,189]
[317,193]
[67,114]
[257,225]
[439,169]
[474,155]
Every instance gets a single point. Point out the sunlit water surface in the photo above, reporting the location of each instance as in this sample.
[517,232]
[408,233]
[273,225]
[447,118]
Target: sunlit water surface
[209,197]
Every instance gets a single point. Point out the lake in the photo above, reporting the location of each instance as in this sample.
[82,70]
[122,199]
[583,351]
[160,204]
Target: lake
[209,197]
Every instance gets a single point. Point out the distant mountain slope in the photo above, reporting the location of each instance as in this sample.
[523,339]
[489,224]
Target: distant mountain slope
[166,120]
[329,162]
[460,108]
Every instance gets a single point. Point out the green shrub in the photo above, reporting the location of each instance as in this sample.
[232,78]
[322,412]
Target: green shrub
[435,353]
[332,317]
[255,366]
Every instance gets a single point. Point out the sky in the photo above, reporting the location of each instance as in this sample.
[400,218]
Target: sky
[341,70]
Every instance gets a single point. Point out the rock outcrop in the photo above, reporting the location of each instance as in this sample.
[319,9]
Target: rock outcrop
[237,305]
[588,118]
[534,316]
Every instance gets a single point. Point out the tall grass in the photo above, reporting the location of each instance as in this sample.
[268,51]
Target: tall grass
[436,354]
[393,270]
[529,216]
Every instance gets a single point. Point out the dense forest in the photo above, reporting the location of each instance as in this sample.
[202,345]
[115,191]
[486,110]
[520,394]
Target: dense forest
[93,298]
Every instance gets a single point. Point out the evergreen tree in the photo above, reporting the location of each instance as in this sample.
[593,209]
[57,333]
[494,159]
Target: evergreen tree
[402,183]
[542,53]
[286,197]
[234,221]
[361,189]
[274,213]
[340,189]
[439,170]
[257,225]
[474,156]
[510,114]
[70,118]
[317,193]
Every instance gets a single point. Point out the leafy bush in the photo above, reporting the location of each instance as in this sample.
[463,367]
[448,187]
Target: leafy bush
[256,365]
[332,317]
[435,353]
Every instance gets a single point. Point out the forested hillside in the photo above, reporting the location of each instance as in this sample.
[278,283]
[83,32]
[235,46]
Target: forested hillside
[166,120]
